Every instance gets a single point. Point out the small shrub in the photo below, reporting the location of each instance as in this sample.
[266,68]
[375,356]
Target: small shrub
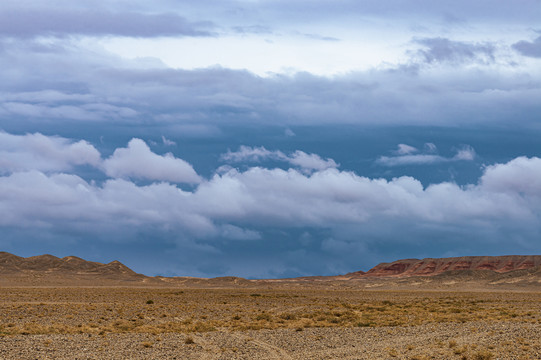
[483,355]
[264,316]
[150,302]
[393,353]
[364,324]
[288,316]
[203,327]
[460,350]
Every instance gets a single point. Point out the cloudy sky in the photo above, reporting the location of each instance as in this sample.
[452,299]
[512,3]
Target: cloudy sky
[263,138]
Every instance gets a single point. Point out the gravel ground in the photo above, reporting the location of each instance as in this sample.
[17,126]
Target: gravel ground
[471,340]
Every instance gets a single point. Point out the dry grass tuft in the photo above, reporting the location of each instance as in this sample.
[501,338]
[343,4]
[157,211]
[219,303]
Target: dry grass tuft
[101,311]
[147,344]
[483,355]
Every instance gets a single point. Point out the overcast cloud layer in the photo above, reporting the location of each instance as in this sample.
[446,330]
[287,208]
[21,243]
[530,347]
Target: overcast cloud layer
[269,138]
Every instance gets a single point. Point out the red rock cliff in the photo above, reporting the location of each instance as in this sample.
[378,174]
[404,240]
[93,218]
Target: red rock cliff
[430,267]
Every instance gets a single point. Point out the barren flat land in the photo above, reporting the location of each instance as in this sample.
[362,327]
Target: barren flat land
[267,321]
[453,308]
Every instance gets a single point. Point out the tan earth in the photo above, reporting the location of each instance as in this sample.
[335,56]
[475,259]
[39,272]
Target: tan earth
[68,308]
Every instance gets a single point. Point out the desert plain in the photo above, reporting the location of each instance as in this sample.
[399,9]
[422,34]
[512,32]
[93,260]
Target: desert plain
[472,315]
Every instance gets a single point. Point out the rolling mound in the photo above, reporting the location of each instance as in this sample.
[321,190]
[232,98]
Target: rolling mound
[47,269]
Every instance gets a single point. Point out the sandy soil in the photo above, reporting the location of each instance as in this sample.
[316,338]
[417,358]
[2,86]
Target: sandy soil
[476,340]
[267,323]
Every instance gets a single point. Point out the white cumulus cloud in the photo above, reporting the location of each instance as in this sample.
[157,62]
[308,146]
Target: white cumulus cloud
[466,153]
[330,198]
[519,176]
[408,155]
[404,149]
[138,161]
[44,153]
[307,162]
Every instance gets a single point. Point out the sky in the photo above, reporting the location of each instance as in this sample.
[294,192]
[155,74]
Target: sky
[269,139]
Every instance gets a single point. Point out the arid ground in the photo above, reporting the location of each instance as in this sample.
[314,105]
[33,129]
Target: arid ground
[268,321]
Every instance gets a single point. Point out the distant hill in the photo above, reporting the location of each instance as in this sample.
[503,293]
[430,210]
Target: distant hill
[515,271]
[48,268]
[432,267]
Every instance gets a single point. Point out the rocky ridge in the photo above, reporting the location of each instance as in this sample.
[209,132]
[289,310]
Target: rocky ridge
[437,266]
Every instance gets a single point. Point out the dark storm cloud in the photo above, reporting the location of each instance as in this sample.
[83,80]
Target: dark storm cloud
[27,23]
[450,11]
[74,84]
[529,48]
[448,81]
[445,50]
